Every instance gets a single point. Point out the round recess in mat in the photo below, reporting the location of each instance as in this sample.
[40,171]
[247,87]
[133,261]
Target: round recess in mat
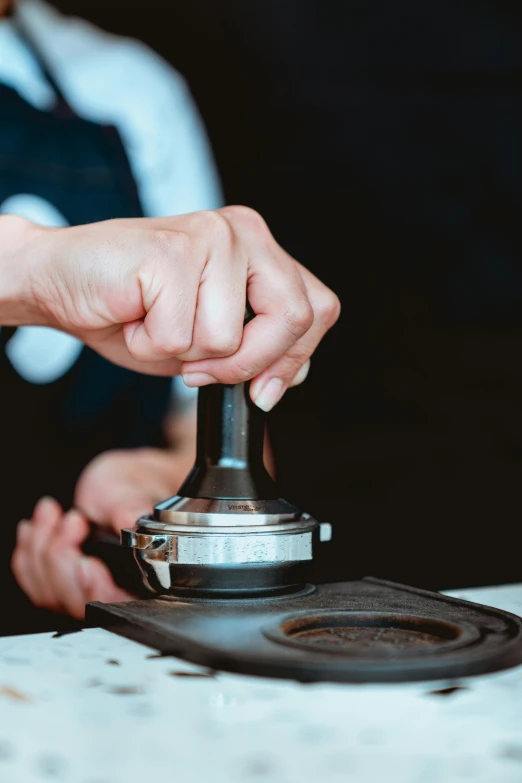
[371,634]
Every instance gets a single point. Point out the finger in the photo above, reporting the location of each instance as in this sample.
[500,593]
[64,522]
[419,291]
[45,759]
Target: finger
[73,529]
[268,388]
[301,375]
[284,314]
[20,563]
[46,516]
[127,517]
[23,534]
[291,369]
[61,563]
[220,312]
[98,584]
[170,293]
[114,347]
[45,510]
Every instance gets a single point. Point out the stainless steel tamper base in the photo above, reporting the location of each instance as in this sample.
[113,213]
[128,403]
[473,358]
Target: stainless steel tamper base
[212,512]
[225,547]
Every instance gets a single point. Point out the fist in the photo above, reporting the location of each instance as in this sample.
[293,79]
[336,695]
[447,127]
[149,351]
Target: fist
[168,295]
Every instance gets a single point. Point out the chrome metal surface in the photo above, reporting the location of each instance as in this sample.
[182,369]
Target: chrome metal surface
[325,531]
[290,542]
[172,556]
[147,525]
[216,513]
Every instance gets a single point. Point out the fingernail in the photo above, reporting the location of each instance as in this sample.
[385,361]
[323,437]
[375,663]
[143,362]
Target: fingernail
[270,394]
[192,379]
[301,375]
[45,500]
[45,511]
[22,532]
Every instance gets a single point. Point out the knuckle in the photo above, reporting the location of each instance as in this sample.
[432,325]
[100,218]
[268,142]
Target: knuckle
[298,356]
[175,345]
[299,317]
[220,344]
[217,223]
[246,216]
[292,365]
[329,309]
[240,372]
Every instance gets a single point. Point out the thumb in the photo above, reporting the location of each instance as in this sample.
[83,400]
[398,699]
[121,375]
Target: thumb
[127,516]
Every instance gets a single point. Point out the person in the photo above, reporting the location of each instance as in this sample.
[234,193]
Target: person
[118,269]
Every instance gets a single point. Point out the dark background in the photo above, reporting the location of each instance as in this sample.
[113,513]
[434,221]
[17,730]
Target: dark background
[382,143]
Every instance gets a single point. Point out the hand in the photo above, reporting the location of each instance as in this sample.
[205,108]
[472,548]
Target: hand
[168,294]
[116,488]
[50,567]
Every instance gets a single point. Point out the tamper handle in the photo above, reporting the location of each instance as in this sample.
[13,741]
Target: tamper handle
[229,461]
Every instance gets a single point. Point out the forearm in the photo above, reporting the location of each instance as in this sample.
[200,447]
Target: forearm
[19,302]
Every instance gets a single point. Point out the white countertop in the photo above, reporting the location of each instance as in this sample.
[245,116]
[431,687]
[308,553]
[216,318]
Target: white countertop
[92,707]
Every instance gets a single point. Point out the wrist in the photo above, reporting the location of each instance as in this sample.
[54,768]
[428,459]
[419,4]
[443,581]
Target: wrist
[20,303]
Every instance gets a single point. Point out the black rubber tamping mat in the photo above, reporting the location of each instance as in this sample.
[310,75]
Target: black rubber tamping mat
[365,631]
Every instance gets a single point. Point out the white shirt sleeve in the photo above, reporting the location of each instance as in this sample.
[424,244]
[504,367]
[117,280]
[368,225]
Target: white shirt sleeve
[177,174]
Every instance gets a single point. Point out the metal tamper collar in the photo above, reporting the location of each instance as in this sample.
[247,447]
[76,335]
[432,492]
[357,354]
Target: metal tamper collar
[231,561]
[230,512]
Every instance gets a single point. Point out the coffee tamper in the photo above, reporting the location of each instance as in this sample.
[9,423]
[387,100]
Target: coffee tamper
[227,532]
